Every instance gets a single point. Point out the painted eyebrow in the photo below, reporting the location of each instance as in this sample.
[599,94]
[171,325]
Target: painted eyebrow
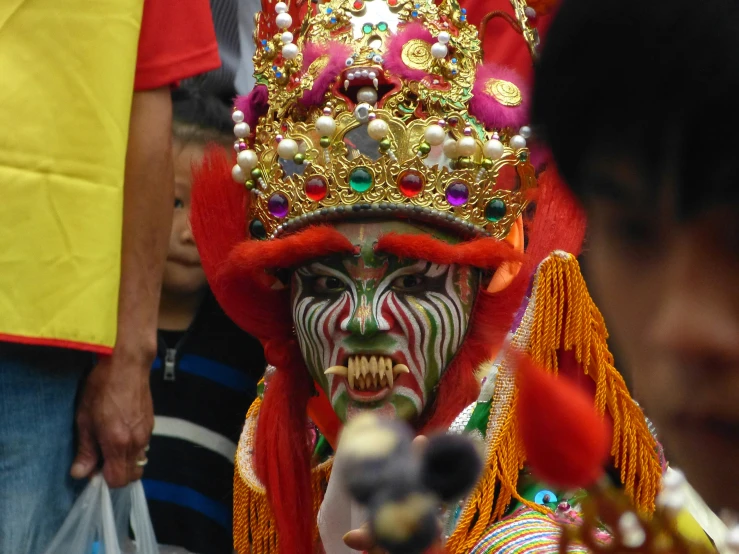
[484,253]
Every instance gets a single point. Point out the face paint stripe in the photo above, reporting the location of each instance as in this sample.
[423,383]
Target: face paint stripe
[411,329]
[450,335]
[437,324]
[385,287]
[422,325]
[309,347]
[411,395]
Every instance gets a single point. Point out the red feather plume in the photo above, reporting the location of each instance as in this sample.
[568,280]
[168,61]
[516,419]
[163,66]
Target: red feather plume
[567,442]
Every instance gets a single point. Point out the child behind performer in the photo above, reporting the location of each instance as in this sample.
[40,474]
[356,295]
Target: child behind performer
[205,375]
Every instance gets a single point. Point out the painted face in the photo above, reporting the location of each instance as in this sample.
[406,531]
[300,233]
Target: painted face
[378,332]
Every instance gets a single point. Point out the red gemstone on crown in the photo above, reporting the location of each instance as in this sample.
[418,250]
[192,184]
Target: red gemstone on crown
[358,4]
[410,182]
[392,3]
[316,188]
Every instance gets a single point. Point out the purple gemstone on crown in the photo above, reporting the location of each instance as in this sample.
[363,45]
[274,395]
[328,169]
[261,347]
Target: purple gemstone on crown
[278,205]
[457,194]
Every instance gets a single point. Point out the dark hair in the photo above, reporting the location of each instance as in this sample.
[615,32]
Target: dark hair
[200,117]
[656,81]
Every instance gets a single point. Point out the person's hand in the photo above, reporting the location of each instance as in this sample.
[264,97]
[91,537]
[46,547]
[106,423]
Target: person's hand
[362,540]
[115,418]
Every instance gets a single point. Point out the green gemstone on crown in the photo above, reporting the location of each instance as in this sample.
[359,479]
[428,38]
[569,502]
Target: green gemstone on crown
[495,210]
[360,179]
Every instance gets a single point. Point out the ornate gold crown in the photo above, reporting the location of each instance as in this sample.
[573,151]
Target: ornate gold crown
[380,108]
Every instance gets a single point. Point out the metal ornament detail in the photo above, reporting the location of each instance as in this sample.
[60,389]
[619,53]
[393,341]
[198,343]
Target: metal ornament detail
[341,136]
[504,92]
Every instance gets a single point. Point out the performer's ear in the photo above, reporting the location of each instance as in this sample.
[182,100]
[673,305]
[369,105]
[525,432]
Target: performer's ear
[508,270]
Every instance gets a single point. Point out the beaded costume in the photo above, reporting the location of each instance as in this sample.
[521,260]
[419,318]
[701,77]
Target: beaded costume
[388,110]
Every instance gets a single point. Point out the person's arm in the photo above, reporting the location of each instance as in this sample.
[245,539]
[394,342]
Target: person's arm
[115,416]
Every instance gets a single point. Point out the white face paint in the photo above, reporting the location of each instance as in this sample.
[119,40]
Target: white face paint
[388,327]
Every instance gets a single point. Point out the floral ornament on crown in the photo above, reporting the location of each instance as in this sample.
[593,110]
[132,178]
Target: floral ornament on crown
[380,108]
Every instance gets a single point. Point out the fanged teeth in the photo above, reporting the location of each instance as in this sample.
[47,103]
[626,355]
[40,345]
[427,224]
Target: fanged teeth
[371,372]
[337,370]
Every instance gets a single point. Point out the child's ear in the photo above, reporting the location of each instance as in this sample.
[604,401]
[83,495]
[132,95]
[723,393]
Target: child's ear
[450,466]
[508,270]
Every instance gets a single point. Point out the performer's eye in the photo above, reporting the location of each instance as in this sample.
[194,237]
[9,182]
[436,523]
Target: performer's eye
[408,283]
[178,203]
[329,284]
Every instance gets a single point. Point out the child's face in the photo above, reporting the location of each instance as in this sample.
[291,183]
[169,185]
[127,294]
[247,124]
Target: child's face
[183,273]
[669,289]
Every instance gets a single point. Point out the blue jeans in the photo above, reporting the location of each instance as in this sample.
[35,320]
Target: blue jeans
[38,389]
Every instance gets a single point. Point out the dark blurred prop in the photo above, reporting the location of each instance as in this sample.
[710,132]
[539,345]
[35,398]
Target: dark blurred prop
[401,486]
[567,444]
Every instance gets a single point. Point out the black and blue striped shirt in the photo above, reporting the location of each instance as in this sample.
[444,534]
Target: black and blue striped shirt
[202,382]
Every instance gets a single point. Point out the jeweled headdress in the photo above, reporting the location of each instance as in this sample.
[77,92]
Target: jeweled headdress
[383,108]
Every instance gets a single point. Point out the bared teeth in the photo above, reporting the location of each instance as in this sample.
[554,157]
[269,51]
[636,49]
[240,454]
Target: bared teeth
[400,368]
[337,370]
[369,372]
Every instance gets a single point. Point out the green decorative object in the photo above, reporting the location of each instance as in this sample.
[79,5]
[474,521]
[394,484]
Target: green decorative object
[385,144]
[257,230]
[256,173]
[424,148]
[325,142]
[360,179]
[495,210]
[299,158]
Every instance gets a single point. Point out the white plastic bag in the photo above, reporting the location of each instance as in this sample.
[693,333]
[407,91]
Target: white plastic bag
[99,523]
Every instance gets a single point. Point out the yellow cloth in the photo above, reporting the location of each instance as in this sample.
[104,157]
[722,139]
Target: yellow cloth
[66,83]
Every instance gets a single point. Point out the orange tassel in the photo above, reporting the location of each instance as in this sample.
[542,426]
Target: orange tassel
[564,318]
[254,527]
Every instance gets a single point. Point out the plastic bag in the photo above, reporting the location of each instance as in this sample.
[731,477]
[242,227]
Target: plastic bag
[99,522]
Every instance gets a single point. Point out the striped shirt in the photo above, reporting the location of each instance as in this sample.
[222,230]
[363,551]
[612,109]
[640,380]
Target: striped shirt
[202,382]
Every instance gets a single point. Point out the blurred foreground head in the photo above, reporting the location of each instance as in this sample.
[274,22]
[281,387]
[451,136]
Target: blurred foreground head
[637,101]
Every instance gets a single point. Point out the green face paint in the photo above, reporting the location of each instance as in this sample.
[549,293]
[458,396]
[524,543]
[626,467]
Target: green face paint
[387,327]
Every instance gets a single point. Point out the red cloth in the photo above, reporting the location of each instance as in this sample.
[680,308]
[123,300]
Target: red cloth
[501,44]
[177,41]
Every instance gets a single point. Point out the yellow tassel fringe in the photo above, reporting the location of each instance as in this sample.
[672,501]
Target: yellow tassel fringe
[565,319]
[254,527]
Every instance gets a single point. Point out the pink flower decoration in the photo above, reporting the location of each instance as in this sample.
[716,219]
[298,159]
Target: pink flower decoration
[337,53]
[254,105]
[487,109]
[394,61]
